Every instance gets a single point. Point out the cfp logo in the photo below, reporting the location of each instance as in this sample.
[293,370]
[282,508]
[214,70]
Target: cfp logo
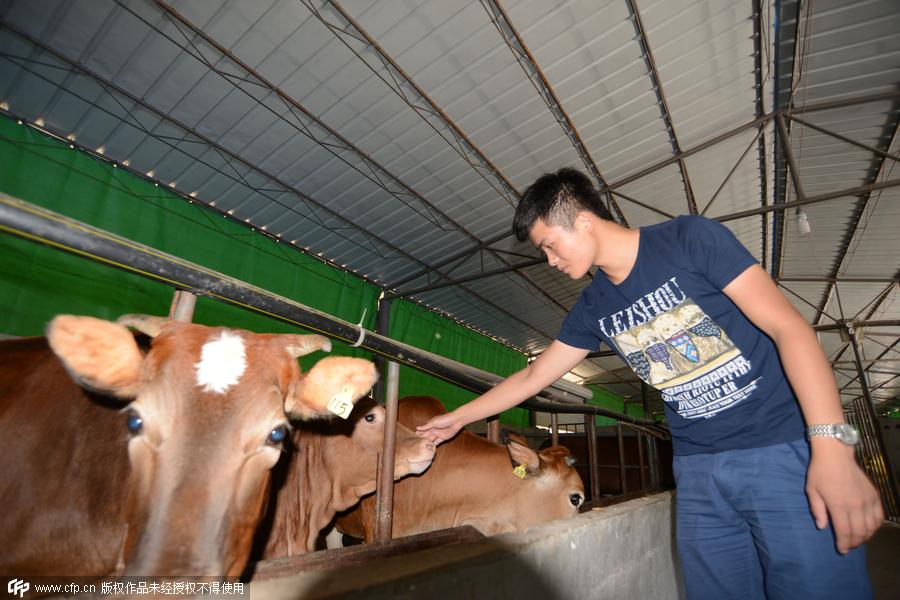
[17,587]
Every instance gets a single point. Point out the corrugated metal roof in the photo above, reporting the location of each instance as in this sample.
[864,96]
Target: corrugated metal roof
[388,137]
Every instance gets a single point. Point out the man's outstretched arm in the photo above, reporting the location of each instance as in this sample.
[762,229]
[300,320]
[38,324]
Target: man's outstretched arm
[554,362]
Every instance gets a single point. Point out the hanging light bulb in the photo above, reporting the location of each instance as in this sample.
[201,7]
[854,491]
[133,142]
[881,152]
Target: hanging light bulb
[802,222]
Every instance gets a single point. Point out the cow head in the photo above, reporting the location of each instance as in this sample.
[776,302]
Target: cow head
[552,482]
[207,417]
[357,445]
[335,466]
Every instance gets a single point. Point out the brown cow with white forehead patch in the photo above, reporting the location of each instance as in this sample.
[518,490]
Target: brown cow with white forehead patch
[178,483]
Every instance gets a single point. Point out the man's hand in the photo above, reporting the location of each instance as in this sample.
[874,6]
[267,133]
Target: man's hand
[439,429]
[837,488]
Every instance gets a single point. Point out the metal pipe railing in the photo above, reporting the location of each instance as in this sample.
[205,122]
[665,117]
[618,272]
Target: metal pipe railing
[44,226]
[41,225]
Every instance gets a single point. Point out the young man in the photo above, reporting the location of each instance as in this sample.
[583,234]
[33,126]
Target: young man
[690,310]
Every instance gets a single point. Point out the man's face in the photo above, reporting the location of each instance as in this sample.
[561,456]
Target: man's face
[569,250]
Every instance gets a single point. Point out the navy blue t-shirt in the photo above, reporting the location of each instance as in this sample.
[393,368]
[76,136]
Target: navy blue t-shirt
[720,376]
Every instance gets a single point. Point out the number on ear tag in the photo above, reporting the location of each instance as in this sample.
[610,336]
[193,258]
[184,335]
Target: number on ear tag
[520,471]
[341,404]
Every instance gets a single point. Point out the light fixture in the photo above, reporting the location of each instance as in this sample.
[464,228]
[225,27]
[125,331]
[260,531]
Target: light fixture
[803,222]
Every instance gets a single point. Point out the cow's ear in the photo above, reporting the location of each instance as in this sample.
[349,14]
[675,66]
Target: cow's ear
[523,455]
[507,435]
[301,345]
[149,325]
[100,354]
[331,386]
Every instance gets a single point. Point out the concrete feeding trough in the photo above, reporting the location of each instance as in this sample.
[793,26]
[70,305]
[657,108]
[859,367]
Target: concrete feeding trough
[622,551]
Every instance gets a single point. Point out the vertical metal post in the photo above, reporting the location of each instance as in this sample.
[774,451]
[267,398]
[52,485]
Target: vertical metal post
[893,494]
[590,432]
[493,429]
[867,453]
[384,500]
[640,445]
[554,429]
[382,327]
[623,487]
[865,450]
[652,455]
[182,307]
[645,400]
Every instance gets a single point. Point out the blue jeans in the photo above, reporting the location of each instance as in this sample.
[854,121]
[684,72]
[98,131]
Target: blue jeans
[745,530]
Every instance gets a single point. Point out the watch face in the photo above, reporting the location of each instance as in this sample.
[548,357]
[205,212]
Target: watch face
[846,433]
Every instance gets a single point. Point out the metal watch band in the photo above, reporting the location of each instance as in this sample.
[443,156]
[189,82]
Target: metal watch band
[821,430]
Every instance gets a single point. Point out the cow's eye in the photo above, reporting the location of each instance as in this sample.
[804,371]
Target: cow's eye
[575,499]
[277,435]
[134,423]
[370,418]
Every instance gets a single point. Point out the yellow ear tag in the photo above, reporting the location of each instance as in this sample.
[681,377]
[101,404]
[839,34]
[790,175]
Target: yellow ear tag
[520,471]
[341,404]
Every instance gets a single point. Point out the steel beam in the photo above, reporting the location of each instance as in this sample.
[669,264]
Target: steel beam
[882,153]
[344,143]
[789,157]
[753,142]
[535,75]
[859,211]
[839,279]
[352,35]
[662,101]
[854,191]
[467,279]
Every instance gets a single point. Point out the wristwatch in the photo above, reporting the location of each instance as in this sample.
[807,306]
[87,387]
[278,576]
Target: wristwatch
[842,431]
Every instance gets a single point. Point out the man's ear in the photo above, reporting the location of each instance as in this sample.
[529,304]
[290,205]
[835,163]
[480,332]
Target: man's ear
[583,218]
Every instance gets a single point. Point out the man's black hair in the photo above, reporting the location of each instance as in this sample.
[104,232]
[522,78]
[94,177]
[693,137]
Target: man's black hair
[556,198]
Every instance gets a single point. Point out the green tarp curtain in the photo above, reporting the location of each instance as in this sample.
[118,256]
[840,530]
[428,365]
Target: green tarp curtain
[38,282]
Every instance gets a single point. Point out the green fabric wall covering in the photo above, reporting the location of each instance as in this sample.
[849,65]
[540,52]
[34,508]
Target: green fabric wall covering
[38,282]
[424,329]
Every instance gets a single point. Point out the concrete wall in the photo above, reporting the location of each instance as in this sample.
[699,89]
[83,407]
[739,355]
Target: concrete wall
[624,551]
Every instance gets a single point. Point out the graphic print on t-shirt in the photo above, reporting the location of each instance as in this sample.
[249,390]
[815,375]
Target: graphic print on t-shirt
[682,352]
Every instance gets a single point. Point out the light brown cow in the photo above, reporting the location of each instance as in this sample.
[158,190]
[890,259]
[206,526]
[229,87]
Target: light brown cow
[471,482]
[330,469]
[175,484]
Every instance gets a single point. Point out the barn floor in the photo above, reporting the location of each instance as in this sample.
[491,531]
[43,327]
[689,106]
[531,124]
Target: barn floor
[884,554]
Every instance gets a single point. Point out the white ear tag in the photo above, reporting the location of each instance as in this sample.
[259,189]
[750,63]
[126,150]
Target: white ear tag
[341,403]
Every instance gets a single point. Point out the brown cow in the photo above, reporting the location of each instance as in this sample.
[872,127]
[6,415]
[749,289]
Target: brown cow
[471,482]
[175,484]
[330,469]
